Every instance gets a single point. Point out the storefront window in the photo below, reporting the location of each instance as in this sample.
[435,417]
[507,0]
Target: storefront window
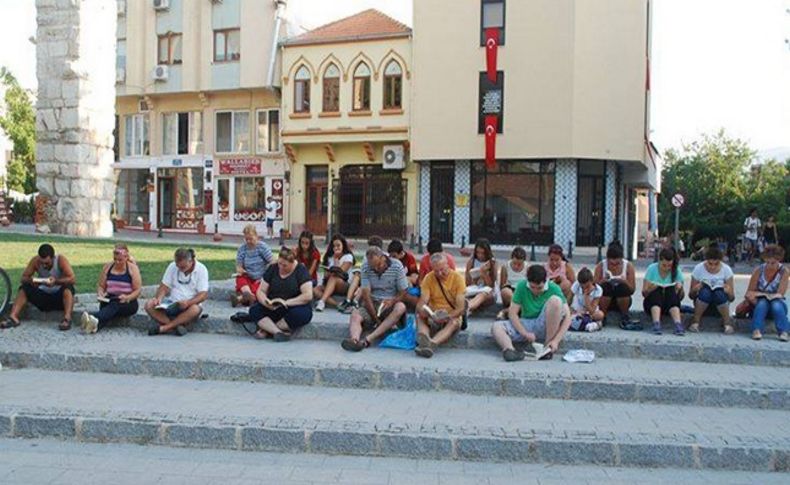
[131,197]
[223,199]
[188,192]
[250,199]
[514,203]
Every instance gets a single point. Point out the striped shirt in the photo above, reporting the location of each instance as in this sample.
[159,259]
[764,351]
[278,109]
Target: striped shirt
[387,284]
[254,260]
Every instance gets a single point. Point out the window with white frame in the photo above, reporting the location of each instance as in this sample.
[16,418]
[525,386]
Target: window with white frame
[361,88]
[268,131]
[136,140]
[182,133]
[232,130]
[302,90]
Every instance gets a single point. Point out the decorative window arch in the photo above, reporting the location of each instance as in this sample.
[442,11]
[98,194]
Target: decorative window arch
[331,89]
[361,87]
[393,85]
[302,90]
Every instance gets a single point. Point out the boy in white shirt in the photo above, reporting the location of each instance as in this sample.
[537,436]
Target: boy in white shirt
[586,316]
[184,287]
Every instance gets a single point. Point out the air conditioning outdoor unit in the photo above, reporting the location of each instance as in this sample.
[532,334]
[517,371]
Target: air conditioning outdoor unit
[142,106]
[394,157]
[161,4]
[120,74]
[160,72]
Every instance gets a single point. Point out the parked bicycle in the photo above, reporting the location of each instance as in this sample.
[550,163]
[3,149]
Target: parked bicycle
[5,292]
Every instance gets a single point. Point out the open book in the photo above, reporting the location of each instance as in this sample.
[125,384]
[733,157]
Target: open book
[714,285]
[664,285]
[476,290]
[277,302]
[106,299]
[769,296]
[435,315]
[166,304]
[538,351]
[40,281]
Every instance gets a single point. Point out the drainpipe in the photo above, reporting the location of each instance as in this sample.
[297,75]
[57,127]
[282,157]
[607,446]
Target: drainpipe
[281,5]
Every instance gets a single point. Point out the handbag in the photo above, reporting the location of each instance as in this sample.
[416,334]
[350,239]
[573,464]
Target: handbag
[464,317]
[744,309]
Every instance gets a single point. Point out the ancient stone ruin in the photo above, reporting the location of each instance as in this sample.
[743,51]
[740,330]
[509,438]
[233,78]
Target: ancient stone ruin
[75,58]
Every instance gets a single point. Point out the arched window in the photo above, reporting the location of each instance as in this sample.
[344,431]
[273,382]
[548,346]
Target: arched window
[361,88]
[302,90]
[331,89]
[393,86]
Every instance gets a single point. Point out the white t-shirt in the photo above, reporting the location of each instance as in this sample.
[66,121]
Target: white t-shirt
[578,295]
[271,210]
[714,281]
[185,286]
[346,258]
[752,224]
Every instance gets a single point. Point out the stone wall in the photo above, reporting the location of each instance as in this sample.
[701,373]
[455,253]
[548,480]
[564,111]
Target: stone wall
[75,114]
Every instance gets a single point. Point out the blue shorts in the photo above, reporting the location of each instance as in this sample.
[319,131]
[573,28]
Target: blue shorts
[269,222]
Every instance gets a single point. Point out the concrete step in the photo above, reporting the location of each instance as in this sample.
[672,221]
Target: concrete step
[324,363]
[612,342]
[427,425]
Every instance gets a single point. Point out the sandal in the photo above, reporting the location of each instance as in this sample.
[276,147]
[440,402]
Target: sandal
[65,324]
[694,327]
[261,335]
[729,329]
[9,323]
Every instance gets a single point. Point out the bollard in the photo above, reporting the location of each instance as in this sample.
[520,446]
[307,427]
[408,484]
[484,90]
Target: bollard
[570,249]
[463,242]
[420,248]
[655,251]
[532,253]
[411,242]
[600,255]
[281,242]
[216,228]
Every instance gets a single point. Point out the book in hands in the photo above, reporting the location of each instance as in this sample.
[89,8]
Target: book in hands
[476,290]
[277,302]
[770,296]
[538,351]
[380,309]
[106,298]
[40,281]
[167,304]
[435,315]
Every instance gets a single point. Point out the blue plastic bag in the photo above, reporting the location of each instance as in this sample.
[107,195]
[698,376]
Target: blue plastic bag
[404,339]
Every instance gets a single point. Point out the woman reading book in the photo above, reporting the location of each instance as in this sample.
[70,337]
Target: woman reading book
[766,293]
[284,298]
[481,273]
[118,289]
[338,260]
[712,283]
[663,290]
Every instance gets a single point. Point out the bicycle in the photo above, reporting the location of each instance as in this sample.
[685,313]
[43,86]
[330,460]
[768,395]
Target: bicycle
[5,292]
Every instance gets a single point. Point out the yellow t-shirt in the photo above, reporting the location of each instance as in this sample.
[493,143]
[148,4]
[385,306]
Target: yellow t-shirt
[454,285]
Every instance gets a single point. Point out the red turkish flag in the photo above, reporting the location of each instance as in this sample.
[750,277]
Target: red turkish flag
[492,46]
[492,122]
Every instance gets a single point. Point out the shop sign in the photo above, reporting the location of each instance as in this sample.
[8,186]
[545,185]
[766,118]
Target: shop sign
[240,166]
[277,194]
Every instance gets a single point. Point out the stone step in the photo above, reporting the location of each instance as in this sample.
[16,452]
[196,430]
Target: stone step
[612,342]
[427,425]
[324,363]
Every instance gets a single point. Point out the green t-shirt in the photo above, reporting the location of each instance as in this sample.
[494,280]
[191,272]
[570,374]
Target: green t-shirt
[653,275]
[532,305]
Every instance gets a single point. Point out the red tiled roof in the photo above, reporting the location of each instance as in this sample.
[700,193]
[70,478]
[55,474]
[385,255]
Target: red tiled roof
[367,25]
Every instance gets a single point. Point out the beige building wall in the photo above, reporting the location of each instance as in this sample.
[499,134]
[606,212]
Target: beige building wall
[574,80]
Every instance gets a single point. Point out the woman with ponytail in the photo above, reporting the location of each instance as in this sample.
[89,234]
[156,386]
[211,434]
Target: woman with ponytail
[663,290]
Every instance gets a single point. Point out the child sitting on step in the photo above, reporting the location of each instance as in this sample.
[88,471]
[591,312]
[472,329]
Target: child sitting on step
[585,314]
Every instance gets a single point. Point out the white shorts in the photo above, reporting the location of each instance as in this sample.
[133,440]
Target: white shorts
[535,325]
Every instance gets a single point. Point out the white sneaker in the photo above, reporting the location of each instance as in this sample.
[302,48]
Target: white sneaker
[593,327]
[320,305]
[89,323]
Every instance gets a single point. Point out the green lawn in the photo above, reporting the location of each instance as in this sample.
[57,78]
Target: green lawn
[88,256]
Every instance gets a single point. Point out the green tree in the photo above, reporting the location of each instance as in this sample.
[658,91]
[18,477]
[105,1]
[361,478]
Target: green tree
[712,175]
[19,123]
[769,186]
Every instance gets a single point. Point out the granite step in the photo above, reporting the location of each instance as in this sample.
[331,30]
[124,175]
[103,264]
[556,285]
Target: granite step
[465,371]
[417,424]
[709,346]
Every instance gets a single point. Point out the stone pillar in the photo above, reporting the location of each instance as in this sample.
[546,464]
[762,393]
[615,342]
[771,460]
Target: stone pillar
[425,202]
[75,57]
[565,188]
[463,185]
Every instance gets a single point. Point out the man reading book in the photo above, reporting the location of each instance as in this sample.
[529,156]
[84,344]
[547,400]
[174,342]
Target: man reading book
[177,302]
[441,307]
[383,287]
[538,312]
[48,283]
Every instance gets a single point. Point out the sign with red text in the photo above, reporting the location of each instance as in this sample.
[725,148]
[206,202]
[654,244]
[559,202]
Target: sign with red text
[240,166]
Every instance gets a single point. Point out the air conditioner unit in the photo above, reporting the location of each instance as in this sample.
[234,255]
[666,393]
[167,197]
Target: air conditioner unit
[161,4]
[394,157]
[120,74]
[160,72]
[121,7]
[142,106]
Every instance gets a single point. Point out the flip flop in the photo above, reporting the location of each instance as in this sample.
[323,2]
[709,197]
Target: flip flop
[631,325]
[65,324]
[9,323]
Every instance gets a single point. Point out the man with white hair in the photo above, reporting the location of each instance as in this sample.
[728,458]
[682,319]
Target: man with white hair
[441,307]
[177,302]
[383,288]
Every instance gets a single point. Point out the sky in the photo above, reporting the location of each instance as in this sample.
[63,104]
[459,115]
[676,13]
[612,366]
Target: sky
[715,63]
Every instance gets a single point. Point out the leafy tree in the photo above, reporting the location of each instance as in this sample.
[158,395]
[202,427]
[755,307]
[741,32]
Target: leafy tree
[769,185]
[19,123]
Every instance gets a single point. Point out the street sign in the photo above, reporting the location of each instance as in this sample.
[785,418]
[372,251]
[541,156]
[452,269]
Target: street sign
[678,200]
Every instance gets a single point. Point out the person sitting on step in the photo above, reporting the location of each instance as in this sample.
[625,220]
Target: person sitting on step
[178,299]
[662,290]
[409,262]
[560,271]
[351,301]
[510,275]
[538,312]
[617,278]
[338,261]
[766,293]
[712,283]
[118,289]
[481,273]
[252,259]
[586,316]
[434,246]
[48,284]
[308,255]
[283,299]
[383,286]
[441,306]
